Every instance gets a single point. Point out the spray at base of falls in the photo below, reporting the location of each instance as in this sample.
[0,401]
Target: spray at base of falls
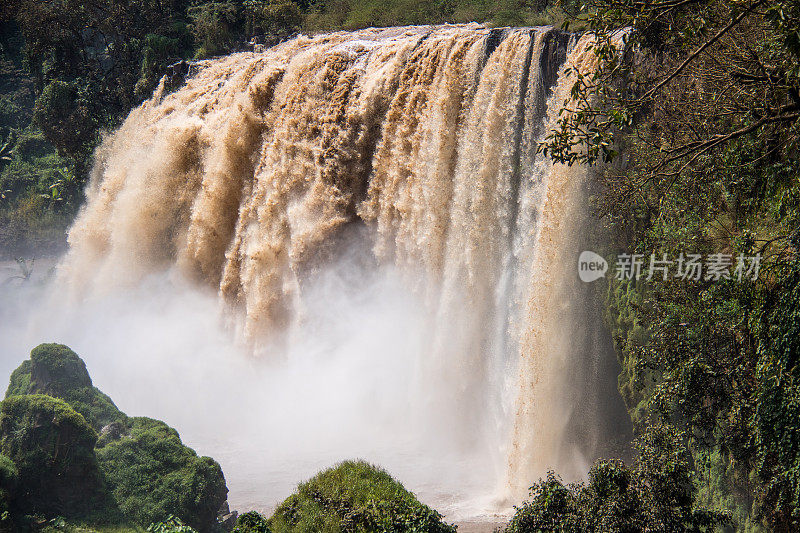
[297,181]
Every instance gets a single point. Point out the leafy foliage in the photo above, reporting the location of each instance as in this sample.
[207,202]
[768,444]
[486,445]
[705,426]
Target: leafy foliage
[9,478]
[172,524]
[144,470]
[697,105]
[349,15]
[62,112]
[657,494]
[251,522]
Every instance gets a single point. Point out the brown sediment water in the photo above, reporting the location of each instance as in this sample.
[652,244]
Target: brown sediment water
[419,143]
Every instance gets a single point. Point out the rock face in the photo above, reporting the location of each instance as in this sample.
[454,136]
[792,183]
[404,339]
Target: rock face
[52,449]
[49,429]
[226,518]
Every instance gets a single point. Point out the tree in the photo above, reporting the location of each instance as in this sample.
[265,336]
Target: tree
[697,107]
[657,494]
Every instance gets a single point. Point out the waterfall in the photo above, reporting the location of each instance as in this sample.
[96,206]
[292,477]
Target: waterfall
[417,144]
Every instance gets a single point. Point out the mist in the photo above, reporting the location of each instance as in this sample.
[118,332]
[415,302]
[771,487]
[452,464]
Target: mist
[350,380]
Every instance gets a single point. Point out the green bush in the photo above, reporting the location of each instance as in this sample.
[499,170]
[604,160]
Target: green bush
[213,26]
[273,17]
[657,494]
[251,522]
[157,52]
[355,496]
[63,113]
[52,447]
[153,475]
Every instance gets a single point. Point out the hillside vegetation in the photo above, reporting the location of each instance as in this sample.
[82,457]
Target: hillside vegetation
[698,123]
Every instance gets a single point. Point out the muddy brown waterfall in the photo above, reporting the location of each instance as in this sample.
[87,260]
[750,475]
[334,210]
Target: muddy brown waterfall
[417,143]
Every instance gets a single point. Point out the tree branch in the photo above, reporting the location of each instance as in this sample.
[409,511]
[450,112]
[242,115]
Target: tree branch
[700,50]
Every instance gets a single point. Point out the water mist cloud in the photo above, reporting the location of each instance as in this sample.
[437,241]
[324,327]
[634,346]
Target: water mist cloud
[345,385]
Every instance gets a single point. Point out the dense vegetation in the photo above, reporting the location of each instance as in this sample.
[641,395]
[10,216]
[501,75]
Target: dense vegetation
[67,451]
[51,448]
[700,120]
[57,371]
[153,475]
[658,493]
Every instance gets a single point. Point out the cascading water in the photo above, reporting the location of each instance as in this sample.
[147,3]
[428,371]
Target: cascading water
[402,150]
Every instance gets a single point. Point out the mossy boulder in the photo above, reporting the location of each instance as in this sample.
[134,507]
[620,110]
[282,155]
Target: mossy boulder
[55,370]
[154,475]
[52,450]
[354,496]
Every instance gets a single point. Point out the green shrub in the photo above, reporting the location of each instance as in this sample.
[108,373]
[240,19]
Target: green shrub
[158,51]
[57,371]
[20,382]
[355,496]
[52,447]
[62,525]
[251,522]
[657,494]
[9,475]
[213,26]
[172,524]
[153,475]
[63,113]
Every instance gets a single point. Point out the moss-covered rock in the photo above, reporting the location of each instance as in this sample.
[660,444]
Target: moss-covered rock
[149,473]
[55,370]
[154,475]
[52,449]
[355,496]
